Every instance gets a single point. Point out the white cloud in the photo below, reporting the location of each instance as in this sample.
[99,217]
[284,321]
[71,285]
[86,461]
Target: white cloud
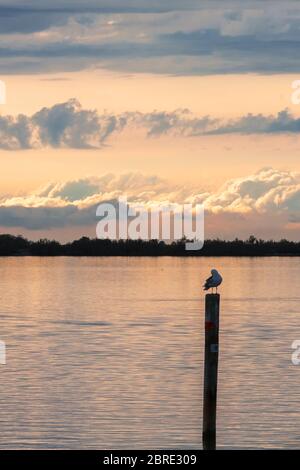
[268,190]
[268,198]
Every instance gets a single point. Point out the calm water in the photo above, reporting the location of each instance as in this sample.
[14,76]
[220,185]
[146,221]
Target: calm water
[108,353]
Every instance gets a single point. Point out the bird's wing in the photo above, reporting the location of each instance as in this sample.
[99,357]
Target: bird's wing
[207,282]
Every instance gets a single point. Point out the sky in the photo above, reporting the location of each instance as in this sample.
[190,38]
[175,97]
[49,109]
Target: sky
[160,101]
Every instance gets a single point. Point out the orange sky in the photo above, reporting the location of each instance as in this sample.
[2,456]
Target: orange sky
[180,159]
[218,95]
[204,162]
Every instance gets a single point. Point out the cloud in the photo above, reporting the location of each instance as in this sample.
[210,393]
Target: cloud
[63,125]
[193,38]
[74,203]
[120,6]
[265,202]
[34,16]
[283,122]
[268,191]
[68,125]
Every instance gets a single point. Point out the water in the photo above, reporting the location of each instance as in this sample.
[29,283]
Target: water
[108,353]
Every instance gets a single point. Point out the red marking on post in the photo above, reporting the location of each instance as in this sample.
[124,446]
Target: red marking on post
[209,325]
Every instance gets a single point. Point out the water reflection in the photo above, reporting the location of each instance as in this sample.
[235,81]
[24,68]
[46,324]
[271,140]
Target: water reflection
[107,353]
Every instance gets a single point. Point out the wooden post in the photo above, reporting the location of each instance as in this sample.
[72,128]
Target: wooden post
[212,306]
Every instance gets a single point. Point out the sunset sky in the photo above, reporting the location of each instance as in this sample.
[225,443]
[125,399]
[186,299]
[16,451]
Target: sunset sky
[159,100]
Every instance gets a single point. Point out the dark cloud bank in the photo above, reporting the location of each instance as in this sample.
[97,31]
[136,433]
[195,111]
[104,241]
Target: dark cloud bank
[237,36]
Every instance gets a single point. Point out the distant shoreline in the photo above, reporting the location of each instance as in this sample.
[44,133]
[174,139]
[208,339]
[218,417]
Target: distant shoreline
[18,246]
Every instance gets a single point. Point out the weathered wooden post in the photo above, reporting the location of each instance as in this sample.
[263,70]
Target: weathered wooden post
[212,306]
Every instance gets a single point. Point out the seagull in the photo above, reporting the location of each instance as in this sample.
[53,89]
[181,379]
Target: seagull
[213,281]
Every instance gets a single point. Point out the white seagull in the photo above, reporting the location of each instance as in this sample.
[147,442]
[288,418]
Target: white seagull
[213,281]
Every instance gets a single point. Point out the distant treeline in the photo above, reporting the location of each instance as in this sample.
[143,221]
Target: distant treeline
[19,246]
